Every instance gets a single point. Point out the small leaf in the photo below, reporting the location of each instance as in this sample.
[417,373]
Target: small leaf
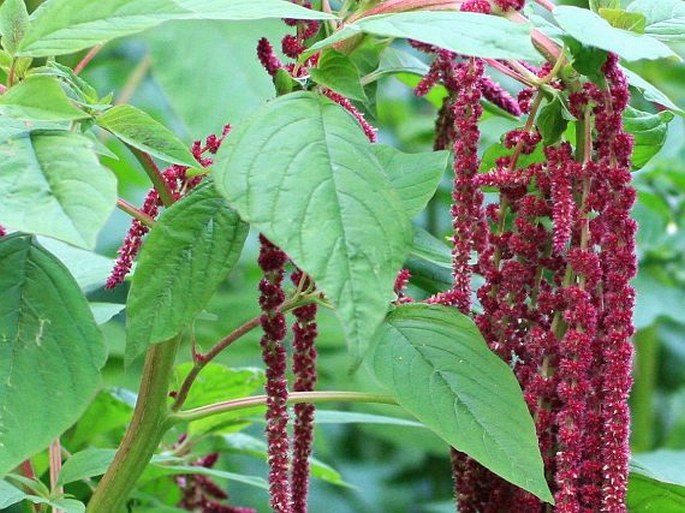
[551,122]
[39,98]
[393,61]
[591,29]
[649,132]
[415,176]
[159,470]
[217,383]
[64,26]
[190,251]
[110,411]
[140,130]
[596,5]
[14,19]
[302,172]
[353,417]
[619,18]
[53,184]
[430,262]
[85,464]
[337,72]
[656,482]
[665,18]
[435,362]
[9,494]
[43,318]
[104,312]
[466,33]
[651,92]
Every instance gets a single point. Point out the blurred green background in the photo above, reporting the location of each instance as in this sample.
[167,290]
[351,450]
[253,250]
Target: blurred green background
[197,76]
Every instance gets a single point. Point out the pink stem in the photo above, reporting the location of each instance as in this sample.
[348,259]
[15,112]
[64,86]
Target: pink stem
[87,58]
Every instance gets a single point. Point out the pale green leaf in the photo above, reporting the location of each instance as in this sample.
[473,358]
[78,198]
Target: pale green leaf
[302,172]
[53,184]
[665,18]
[651,92]
[189,252]
[38,98]
[140,130]
[13,21]
[656,482]
[435,362]
[649,133]
[593,30]
[9,494]
[43,318]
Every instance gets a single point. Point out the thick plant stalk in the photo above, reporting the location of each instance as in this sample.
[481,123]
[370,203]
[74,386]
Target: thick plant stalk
[149,423]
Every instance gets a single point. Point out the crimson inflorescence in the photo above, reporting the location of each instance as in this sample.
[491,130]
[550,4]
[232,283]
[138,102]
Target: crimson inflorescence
[557,253]
[179,184]
[3,231]
[304,368]
[200,493]
[272,262]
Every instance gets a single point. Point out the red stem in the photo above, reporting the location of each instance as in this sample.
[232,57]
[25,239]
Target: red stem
[87,58]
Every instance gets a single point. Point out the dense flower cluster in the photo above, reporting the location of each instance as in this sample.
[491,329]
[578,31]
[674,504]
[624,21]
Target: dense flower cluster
[179,185]
[201,494]
[557,253]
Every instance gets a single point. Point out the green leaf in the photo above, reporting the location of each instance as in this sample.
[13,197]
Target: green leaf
[353,417]
[415,176]
[665,18]
[651,92]
[53,184]
[190,251]
[337,72]
[619,18]
[596,5]
[43,318]
[217,383]
[110,410]
[593,30]
[89,269]
[551,122]
[9,494]
[656,482]
[466,33]
[649,132]
[103,312]
[39,98]
[140,130]
[159,470]
[66,505]
[85,464]
[393,61]
[13,21]
[436,363]
[302,172]
[430,262]
[65,26]
[245,86]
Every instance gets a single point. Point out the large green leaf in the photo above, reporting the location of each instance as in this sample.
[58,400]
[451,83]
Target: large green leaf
[435,362]
[244,85]
[51,350]
[66,26]
[302,172]
[415,176]
[665,18]
[39,98]
[466,33]
[649,132]
[189,252]
[657,483]
[593,30]
[140,130]
[217,383]
[53,184]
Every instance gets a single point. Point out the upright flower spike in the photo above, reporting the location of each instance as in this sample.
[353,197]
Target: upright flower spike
[304,368]
[272,261]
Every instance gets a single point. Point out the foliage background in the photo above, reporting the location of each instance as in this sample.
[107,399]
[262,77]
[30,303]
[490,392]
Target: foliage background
[197,76]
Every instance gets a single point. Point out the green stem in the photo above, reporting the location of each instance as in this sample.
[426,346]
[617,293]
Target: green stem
[144,433]
[293,398]
[134,212]
[642,396]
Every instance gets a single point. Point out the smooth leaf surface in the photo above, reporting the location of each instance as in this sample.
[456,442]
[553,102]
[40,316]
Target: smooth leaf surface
[53,184]
[190,251]
[466,33]
[217,383]
[656,482]
[430,262]
[302,172]
[38,98]
[394,61]
[110,410]
[104,312]
[85,464]
[649,132]
[593,30]
[13,21]
[142,131]
[65,26]
[651,92]
[435,362]
[353,417]
[159,470]
[9,494]
[665,18]
[43,318]
[337,72]
[415,176]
